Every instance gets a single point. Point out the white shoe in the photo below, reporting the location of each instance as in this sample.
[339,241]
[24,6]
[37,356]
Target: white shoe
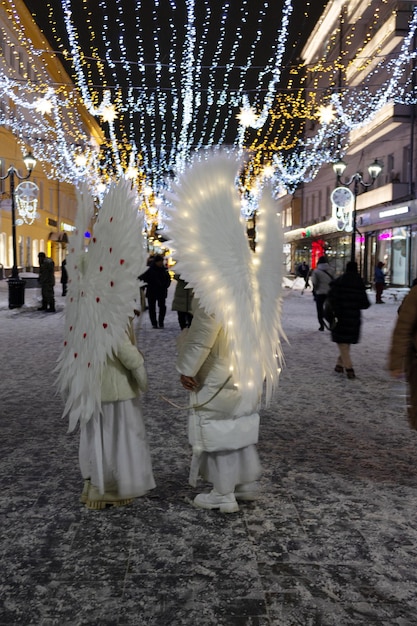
[214,500]
[247,491]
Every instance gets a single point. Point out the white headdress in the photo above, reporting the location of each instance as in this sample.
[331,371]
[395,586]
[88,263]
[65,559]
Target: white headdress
[240,288]
[102,287]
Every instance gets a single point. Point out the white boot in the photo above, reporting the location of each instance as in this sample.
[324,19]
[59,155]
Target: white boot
[215,500]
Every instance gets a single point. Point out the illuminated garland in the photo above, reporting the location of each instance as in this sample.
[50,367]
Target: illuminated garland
[137,111]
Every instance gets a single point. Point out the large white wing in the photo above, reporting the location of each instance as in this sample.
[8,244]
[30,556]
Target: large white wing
[269,271]
[210,242]
[101,297]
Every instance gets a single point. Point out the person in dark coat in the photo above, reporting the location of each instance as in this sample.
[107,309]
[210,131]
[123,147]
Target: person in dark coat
[64,277]
[321,278]
[158,280]
[47,282]
[182,303]
[379,278]
[348,297]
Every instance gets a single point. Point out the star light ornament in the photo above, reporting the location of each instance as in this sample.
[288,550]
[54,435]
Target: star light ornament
[247,117]
[43,105]
[182,79]
[326,114]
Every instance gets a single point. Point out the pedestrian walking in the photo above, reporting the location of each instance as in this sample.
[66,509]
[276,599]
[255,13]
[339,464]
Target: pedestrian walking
[182,302]
[321,278]
[379,280]
[64,277]
[347,295]
[157,281]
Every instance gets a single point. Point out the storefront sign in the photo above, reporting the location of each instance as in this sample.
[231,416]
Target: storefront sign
[390,212]
[67,227]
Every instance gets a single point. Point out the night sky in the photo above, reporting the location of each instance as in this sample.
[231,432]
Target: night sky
[168,21]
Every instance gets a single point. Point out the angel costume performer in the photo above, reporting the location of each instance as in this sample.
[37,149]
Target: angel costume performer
[100,370]
[231,354]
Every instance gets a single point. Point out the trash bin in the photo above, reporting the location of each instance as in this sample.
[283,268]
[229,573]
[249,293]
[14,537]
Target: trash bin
[16,293]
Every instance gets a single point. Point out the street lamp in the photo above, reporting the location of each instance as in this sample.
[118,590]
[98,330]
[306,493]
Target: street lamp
[16,285]
[374,171]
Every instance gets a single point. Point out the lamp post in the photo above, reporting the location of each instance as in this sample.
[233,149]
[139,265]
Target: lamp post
[374,171]
[16,285]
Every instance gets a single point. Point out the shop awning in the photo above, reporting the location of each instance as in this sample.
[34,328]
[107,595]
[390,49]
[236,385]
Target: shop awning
[61,237]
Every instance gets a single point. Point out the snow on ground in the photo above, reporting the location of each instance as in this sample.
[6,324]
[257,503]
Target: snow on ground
[332,539]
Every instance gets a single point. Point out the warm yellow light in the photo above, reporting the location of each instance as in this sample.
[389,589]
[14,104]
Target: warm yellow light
[131,172]
[109,113]
[268,171]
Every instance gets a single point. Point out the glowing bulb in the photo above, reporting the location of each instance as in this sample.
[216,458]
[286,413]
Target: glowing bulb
[326,114]
[80,160]
[43,105]
[131,172]
[109,113]
[247,117]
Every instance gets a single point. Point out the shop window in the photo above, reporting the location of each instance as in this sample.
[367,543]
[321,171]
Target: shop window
[35,251]
[405,176]
[3,249]
[399,256]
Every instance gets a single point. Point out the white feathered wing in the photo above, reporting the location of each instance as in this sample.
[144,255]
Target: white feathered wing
[103,285]
[269,274]
[211,244]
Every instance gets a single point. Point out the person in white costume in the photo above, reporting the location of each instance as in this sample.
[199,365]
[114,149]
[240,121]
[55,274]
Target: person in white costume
[231,353]
[100,370]
[114,454]
[222,432]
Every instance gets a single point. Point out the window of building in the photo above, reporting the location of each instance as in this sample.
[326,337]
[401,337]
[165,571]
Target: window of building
[35,251]
[3,249]
[405,175]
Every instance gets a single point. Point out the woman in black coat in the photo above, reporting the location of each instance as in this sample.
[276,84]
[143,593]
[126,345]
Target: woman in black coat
[348,296]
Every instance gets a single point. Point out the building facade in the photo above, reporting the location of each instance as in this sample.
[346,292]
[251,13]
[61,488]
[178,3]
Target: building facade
[56,201]
[358,34]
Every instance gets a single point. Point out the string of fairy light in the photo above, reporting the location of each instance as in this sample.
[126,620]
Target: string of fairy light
[156,114]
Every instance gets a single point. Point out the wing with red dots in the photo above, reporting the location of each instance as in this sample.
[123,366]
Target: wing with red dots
[100,299]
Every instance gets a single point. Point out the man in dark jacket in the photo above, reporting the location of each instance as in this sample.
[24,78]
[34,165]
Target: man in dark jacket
[158,280]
